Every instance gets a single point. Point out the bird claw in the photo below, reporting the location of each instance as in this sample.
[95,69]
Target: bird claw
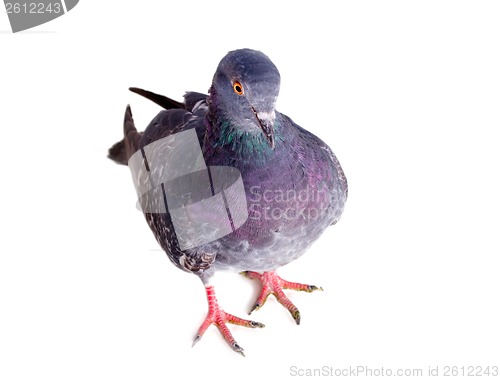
[261,300]
[254,324]
[257,306]
[296,316]
[312,288]
[237,348]
[197,338]
[218,317]
[273,284]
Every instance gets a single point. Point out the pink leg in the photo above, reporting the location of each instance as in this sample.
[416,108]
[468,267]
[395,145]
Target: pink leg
[273,284]
[217,316]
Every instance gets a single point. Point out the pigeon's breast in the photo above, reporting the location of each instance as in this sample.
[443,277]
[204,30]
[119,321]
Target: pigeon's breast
[292,196]
[289,207]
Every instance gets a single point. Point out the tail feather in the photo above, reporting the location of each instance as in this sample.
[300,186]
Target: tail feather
[122,150]
[161,100]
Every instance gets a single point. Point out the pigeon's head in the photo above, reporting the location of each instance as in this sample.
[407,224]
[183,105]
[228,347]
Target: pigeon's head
[245,87]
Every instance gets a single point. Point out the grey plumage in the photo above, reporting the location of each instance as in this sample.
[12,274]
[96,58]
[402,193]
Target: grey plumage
[294,184]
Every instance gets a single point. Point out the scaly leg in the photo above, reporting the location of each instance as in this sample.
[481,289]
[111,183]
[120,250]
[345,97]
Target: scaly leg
[273,284]
[218,317]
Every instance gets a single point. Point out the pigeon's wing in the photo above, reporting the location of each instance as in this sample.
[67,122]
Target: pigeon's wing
[170,122]
[340,172]
[342,184]
[336,176]
[196,102]
[176,118]
[167,232]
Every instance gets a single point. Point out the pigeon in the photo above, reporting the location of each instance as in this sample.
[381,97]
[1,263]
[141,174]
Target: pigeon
[293,184]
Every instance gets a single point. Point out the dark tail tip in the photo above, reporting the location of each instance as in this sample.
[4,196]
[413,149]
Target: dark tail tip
[118,152]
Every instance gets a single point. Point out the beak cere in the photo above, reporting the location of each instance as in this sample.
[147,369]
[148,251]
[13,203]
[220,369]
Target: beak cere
[266,122]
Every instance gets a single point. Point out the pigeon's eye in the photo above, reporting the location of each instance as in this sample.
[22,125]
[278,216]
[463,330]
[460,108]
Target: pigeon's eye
[238,88]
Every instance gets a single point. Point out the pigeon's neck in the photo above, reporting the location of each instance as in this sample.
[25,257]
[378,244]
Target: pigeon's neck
[234,144]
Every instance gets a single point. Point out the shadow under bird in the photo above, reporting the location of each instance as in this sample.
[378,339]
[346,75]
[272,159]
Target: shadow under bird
[293,183]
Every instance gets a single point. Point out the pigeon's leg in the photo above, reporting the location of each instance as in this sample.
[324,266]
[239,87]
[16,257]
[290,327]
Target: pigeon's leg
[218,317]
[273,284]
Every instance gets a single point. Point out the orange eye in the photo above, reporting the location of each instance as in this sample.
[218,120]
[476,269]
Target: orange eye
[238,88]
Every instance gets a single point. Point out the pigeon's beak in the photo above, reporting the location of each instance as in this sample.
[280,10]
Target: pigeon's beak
[266,122]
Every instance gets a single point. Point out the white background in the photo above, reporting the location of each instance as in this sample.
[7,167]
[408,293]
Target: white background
[406,93]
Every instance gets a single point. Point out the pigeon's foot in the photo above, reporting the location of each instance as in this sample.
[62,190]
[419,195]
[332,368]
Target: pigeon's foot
[273,284]
[218,317]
